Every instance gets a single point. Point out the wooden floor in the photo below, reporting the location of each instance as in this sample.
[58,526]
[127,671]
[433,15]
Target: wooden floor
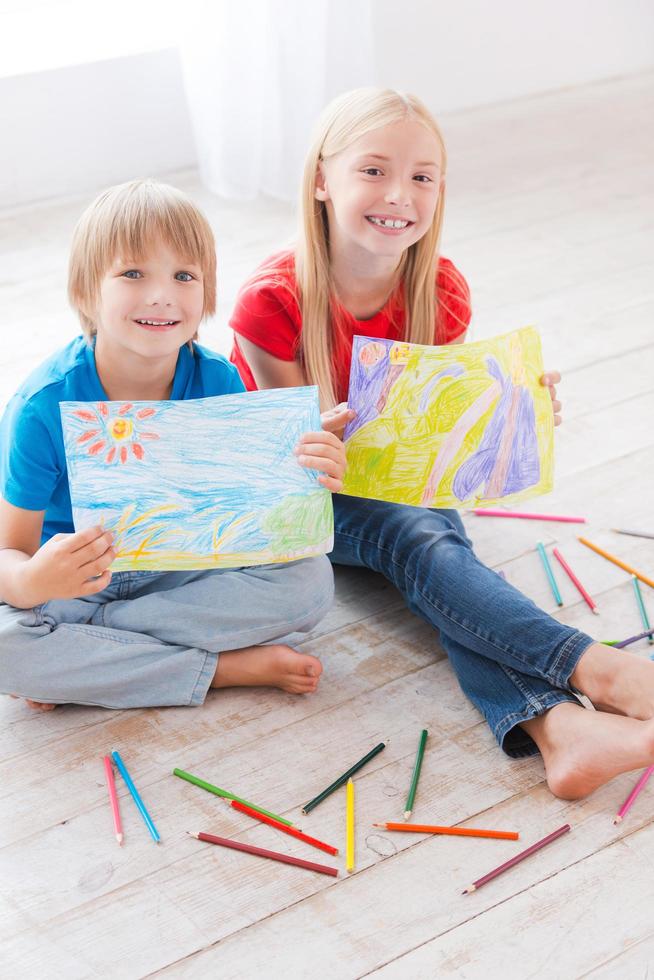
[550,217]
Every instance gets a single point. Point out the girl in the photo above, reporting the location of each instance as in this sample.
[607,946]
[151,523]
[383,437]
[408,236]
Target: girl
[366,262]
[142,277]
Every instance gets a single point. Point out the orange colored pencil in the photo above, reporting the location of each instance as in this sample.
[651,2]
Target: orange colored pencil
[113,797]
[618,562]
[423,828]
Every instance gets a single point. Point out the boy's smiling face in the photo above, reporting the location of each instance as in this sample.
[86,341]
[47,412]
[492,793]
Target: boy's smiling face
[152,307]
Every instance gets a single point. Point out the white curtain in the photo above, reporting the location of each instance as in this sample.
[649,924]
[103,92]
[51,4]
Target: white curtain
[257,74]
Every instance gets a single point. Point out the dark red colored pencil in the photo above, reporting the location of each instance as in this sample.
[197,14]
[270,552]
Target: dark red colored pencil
[262,852]
[292,831]
[517,859]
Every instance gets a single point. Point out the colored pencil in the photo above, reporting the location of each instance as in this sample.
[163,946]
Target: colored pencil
[424,828]
[349,826]
[308,807]
[262,852]
[629,802]
[416,774]
[517,859]
[641,606]
[140,805]
[525,516]
[635,534]
[550,574]
[618,562]
[631,639]
[210,788]
[256,815]
[575,581]
[113,798]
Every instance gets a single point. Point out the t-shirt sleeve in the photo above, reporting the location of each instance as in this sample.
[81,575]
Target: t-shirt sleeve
[29,464]
[454,307]
[268,315]
[234,385]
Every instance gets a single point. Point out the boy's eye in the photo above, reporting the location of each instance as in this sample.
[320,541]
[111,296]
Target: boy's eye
[184,277]
[372,171]
[131,274]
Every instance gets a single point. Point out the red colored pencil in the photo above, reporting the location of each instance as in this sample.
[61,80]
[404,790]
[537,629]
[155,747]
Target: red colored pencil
[262,852]
[111,786]
[517,859]
[575,581]
[292,831]
[629,802]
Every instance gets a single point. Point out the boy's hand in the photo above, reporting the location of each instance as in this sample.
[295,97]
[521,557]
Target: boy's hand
[70,565]
[335,419]
[325,452]
[550,379]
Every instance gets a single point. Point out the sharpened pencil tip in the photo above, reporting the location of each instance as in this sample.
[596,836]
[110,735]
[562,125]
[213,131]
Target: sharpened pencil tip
[407,814]
[119,838]
[617,820]
[192,834]
[378,825]
[595,611]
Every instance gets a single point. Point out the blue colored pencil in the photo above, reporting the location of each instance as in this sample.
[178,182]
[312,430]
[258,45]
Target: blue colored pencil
[120,765]
[550,574]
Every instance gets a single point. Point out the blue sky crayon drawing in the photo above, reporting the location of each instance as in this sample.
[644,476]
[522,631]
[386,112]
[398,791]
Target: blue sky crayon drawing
[452,426]
[206,483]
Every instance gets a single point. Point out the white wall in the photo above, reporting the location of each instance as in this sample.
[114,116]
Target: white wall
[455,55]
[81,128]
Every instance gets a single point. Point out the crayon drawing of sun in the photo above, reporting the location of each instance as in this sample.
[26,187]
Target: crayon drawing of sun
[119,436]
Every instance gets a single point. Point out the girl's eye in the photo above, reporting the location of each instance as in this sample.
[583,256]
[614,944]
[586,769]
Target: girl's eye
[423,178]
[132,274]
[184,277]
[372,171]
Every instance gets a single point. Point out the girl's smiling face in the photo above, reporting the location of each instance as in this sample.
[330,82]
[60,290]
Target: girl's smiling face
[151,307]
[381,192]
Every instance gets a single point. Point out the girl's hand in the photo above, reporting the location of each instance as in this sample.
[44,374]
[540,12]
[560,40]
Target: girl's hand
[550,379]
[337,418]
[70,565]
[325,452]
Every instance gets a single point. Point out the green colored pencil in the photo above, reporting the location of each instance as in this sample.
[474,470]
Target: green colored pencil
[641,606]
[308,807]
[550,574]
[416,774]
[227,796]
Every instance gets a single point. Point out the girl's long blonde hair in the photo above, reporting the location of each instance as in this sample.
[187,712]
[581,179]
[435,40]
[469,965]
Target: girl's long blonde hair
[345,120]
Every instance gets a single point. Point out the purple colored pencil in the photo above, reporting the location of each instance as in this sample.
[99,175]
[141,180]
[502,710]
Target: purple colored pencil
[632,639]
[517,859]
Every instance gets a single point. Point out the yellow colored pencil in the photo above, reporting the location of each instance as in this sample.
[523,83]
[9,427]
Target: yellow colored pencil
[349,827]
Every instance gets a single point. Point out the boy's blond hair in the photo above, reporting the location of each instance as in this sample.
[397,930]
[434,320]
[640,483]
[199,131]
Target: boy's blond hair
[122,223]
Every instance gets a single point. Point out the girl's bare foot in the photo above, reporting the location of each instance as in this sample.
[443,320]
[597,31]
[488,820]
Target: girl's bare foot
[268,666]
[584,749]
[616,680]
[36,705]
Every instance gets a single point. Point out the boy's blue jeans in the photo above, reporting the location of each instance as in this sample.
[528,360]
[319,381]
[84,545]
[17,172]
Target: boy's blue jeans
[513,660]
[154,638]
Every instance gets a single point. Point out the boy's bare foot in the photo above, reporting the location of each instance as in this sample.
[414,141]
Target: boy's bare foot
[268,666]
[36,705]
[584,749]
[616,680]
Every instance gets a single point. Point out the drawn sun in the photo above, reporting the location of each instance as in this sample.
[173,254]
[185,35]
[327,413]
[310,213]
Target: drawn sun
[120,434]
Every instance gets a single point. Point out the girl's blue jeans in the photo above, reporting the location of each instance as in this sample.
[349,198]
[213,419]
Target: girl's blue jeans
[513,660]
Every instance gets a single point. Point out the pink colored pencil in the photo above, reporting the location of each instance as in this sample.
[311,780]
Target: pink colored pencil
[575,581]
[631,799]
[533,517]
[111,786]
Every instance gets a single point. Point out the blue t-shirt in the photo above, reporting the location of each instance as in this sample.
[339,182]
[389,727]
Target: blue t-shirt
[33,471]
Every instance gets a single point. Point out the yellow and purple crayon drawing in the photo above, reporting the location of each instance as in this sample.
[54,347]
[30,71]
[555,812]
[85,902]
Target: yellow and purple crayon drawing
[452,426]
[205,483]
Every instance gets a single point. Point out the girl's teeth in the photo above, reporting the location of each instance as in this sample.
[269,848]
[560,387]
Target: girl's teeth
[389,222]
[157,323]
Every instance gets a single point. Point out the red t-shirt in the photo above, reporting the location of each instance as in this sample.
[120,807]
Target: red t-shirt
[267,314]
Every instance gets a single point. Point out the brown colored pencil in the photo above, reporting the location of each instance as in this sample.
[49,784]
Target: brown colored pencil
[420,828]
[517,859]
[262,852]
